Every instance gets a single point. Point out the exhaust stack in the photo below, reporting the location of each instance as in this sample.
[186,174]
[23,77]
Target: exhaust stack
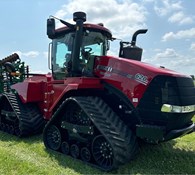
[129,49]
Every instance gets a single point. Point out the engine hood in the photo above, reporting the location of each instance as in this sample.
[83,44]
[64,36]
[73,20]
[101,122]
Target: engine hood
[128,65]
[130,76]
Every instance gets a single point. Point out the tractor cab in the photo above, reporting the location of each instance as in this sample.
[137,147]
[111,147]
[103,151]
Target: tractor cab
[74,47]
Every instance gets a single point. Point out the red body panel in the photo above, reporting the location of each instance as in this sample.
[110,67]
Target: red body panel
[31,90]
[129,76]
[47,92]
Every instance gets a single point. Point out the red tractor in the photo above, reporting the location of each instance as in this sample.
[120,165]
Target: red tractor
[98,106]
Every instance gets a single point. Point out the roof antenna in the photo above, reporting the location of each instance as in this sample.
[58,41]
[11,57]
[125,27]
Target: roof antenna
[64,22]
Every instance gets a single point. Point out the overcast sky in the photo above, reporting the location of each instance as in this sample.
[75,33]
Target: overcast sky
[169,42]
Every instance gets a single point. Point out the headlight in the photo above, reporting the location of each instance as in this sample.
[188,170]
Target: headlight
[177,109]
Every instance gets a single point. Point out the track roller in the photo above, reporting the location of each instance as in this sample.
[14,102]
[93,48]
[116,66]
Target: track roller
[65,148]
[85,154]
[74,150]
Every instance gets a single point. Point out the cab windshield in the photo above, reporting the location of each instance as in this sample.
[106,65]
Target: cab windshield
[96,41]
[93,44]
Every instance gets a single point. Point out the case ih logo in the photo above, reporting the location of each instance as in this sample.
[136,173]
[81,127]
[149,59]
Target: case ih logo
[141,78]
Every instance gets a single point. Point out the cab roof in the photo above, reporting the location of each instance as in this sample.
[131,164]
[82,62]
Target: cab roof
[86,26]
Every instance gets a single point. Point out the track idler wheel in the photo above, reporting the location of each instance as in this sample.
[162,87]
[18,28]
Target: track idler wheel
[53,138]
[103,153]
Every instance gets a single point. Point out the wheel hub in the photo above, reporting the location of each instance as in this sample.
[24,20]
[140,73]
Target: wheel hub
[106,150]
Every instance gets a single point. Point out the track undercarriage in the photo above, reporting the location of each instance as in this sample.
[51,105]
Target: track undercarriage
[19,119]
[86,128]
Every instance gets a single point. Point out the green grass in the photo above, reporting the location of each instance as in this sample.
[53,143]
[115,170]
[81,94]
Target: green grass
[29,156]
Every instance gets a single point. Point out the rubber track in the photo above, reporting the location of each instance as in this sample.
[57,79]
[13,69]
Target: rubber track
[111,127]
[30,121]
[108,123]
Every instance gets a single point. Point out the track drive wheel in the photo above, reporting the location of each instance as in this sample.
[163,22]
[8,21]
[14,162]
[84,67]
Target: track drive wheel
[103,153]
[52,138]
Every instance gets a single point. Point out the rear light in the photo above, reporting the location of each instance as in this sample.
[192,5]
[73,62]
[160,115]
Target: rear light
[177,109]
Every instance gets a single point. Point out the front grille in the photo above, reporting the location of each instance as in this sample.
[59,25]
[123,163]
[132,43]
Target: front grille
[178,91]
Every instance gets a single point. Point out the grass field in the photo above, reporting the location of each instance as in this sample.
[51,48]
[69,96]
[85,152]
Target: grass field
[29,156]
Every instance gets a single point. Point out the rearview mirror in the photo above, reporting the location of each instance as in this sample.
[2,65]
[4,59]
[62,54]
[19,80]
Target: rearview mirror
[51,28]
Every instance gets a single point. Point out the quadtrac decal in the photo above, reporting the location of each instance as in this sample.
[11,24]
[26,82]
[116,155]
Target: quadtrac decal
[105,68]
[137,77]
[108,70]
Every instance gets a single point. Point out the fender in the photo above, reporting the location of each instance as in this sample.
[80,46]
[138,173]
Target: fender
[125,100]
[70,87]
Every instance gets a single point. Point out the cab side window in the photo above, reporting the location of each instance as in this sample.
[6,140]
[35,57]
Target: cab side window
[62,56]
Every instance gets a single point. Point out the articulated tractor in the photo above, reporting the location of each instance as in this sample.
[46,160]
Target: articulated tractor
[92,106]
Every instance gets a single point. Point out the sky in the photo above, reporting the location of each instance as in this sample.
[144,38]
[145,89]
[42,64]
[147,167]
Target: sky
[169,42]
